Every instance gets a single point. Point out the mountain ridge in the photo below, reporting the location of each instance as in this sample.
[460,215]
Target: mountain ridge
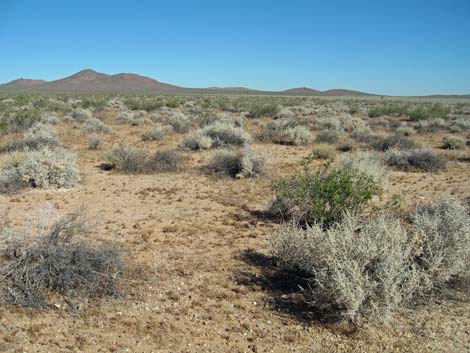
[91,81]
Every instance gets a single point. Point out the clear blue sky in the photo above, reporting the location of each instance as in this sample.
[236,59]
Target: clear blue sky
[391,47]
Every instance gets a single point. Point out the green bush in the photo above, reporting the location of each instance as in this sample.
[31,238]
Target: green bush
[258,110]
[429,112]
[323,197]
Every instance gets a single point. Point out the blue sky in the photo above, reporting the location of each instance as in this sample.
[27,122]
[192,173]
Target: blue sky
[391,47]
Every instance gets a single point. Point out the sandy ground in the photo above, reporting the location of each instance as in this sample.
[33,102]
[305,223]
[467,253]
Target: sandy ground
[206,284]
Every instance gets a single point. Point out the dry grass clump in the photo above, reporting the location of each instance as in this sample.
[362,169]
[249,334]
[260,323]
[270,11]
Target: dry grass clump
[417,159]
[55,258]
[237,164]
[453,142]
[39,169]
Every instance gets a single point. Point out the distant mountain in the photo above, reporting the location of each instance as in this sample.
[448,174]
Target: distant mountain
[22,83]
[91,81]
[304,91]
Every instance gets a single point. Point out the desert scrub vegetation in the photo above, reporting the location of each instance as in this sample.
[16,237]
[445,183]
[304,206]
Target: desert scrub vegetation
[95,141]
[259,109]
[154,135]
[354,269]
[180,122]
[453,142]
[126,158]
[243,163]
[295,136]
[328,136]
[217,134]
[96,125]
[368,163]
[168,160]
[226,134]
[39,169]
[442,233]
[435,111]
[324,196]
[362,134]
[384,143]
[55,257]
[38,136]
[414,160]
[366,269]
[196,140]
[323,152]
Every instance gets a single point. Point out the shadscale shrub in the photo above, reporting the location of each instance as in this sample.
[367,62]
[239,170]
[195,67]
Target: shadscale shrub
[354,269]
[154,135]
[126,158]
[196,140]
[36,137]
[96,125]
[383,143]
[95,142]
[323,152]
[237,164]
[165,161]
[442,235]
[418,159]
[328,136]
[358,269]
[295,136]
[453,142]
[225,134]
[40,169]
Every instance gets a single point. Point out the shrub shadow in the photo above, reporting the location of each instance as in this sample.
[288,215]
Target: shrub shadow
[285,289]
